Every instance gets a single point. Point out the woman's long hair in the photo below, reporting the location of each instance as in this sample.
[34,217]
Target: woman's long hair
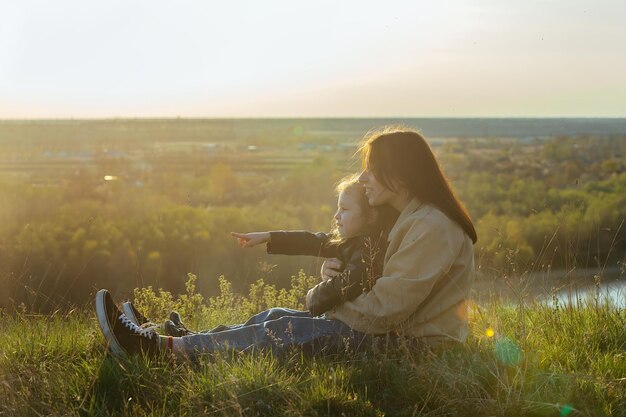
[402,157]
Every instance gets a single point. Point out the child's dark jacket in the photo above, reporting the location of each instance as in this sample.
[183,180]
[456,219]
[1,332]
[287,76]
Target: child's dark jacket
[361,256]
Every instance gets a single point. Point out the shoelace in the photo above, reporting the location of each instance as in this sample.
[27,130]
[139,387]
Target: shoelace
[149,332]
[151,326]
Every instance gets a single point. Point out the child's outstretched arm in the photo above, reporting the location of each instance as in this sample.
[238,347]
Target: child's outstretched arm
[290,242]
[248,240]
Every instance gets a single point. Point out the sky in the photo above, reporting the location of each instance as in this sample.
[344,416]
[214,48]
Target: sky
[339,58]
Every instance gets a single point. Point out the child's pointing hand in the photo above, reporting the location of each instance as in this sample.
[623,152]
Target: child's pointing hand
[248,240]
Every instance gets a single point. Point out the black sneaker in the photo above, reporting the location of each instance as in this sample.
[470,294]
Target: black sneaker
[123,336]
[135,315]
[181,329]
[172,327]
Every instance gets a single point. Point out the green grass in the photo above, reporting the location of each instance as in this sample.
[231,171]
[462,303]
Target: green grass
[542,360]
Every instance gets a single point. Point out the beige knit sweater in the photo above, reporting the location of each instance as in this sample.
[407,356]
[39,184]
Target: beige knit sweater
[424,289]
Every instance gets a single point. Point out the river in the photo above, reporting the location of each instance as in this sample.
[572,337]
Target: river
[568,287]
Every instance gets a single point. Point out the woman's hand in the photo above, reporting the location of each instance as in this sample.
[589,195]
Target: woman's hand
[331,268]
[248,240]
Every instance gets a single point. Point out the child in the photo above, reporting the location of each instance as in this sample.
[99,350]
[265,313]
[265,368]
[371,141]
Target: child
[359,241]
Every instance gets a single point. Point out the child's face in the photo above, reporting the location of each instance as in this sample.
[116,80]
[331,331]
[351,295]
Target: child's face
[351,219]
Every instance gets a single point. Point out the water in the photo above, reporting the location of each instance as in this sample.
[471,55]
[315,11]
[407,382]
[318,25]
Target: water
[574,287]
[612,292]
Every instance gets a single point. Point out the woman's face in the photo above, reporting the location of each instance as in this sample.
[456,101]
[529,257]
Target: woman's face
[377,194]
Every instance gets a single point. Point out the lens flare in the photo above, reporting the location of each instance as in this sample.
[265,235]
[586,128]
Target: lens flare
[508,352]
[462,310]
[566,410]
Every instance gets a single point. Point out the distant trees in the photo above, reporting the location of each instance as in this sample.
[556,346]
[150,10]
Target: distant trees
[550,204]
[567,210]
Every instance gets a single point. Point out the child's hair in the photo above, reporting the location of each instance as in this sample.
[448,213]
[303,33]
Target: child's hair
[350,185]
[386,216]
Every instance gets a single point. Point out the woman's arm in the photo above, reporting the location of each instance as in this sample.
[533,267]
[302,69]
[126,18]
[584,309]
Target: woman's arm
[423,257]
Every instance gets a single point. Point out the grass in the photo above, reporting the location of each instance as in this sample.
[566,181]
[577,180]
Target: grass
[524,360]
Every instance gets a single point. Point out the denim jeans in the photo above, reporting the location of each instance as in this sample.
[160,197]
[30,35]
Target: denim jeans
[277,329]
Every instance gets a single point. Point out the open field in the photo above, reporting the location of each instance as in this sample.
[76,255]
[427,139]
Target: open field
[525,360]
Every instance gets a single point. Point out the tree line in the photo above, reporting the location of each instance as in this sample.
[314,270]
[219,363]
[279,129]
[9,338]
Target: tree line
[554,203]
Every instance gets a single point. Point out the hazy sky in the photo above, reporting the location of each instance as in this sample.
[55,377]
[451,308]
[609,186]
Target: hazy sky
[77,58]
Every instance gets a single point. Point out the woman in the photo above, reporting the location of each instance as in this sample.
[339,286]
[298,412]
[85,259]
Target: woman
[429,263]
[427,273]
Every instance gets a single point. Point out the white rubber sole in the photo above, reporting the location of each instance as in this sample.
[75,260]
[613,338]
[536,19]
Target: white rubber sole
[128,312]
[105,326]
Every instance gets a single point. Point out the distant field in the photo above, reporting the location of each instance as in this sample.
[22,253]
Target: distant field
[55,146]
[294,130]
